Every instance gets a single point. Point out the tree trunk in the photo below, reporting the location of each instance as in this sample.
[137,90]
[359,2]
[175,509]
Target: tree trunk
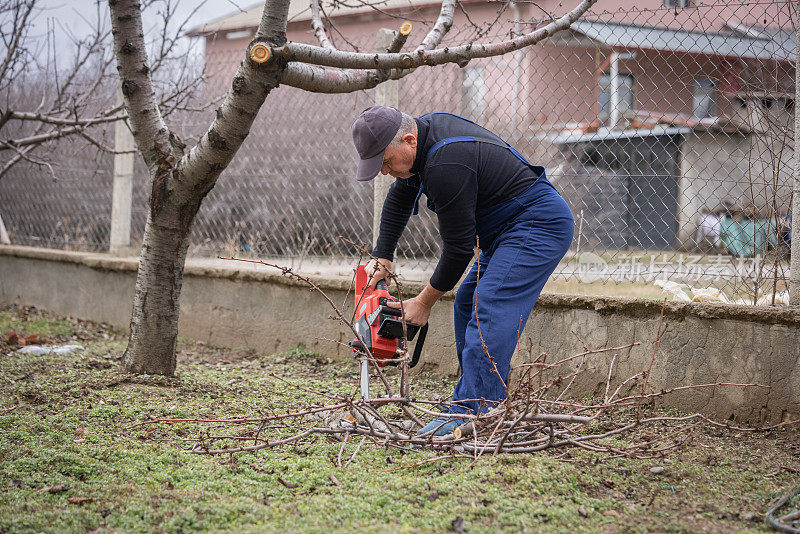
[180,179]
[156,301]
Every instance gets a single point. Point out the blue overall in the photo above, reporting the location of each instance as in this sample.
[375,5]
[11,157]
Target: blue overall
[521,241]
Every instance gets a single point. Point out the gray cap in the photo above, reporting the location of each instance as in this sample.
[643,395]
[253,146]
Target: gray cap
[372,131]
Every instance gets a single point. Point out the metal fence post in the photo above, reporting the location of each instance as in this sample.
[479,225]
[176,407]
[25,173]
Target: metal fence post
[122,193]
[794,265]
[386,94]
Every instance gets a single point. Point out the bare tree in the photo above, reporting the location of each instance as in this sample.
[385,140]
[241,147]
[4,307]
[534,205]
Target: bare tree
[183,176]
[45,96]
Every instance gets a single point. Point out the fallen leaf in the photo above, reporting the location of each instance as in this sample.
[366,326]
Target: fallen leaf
[290,485]
[58,488]
[334,480]
[79,500]
[458,524]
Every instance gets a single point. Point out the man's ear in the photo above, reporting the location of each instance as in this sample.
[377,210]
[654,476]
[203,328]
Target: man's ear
[411,139]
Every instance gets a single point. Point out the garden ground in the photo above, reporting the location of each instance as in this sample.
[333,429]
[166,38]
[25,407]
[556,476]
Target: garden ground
[70,461]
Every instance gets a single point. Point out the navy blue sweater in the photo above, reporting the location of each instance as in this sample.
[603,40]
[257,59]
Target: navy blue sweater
[458,179]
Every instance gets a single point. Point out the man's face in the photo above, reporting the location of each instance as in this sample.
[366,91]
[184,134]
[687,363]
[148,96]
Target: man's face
[398,160]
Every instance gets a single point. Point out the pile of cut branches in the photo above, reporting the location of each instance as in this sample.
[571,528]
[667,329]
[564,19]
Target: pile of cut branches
[535,416]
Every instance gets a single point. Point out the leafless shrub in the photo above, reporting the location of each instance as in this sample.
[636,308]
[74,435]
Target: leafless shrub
[46,97]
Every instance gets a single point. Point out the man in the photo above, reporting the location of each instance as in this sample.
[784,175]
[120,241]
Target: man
[480,188]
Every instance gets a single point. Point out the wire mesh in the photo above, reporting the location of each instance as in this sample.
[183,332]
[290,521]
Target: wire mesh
[668,127]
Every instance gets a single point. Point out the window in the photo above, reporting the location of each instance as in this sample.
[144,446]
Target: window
[705,98]
[677,3]
[625,95]
[474,93]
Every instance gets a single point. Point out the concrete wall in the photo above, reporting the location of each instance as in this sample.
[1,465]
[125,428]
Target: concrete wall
[250,307]
[742,169]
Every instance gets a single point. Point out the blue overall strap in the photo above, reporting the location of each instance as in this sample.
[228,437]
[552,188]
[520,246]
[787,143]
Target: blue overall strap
[421,190]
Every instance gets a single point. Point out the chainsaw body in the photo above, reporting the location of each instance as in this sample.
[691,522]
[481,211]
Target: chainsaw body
[379,327]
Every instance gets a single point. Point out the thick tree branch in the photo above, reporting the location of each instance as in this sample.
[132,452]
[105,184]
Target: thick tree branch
[458,54]
[273,22]
[442,25]
[148,127]
[330,80]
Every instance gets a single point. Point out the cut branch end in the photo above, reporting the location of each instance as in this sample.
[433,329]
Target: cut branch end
[260,53]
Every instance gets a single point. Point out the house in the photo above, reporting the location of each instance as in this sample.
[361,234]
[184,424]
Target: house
[650,111]
[723,143]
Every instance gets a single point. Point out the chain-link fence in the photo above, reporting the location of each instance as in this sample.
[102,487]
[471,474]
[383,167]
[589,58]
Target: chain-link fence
[669,130]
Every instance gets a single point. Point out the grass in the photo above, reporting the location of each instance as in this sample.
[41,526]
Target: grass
[69,461]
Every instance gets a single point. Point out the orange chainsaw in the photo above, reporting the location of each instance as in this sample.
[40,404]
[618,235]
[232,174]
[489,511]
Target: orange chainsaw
[379,328]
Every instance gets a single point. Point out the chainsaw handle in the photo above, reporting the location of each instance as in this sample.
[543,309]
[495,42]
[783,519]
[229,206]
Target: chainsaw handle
[423,332]
[394,312]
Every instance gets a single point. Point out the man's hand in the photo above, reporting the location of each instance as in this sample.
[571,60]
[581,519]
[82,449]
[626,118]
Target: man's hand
[377,270]
[416,311]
